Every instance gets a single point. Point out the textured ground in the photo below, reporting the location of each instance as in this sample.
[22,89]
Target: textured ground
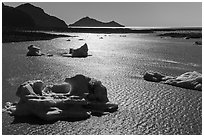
[119,62]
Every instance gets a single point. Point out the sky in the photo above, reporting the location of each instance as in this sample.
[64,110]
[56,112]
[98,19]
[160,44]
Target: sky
[138,14]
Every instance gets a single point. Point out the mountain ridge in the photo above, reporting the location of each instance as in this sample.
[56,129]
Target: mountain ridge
[28,16]
[14,18]
[90,22]
[42,19]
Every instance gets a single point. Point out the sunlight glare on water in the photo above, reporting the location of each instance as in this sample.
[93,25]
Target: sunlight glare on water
[147,51]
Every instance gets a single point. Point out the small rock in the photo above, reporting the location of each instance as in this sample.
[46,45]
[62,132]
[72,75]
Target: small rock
[34,51]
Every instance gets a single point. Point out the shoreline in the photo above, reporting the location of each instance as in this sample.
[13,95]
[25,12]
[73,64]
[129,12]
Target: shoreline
[19,35]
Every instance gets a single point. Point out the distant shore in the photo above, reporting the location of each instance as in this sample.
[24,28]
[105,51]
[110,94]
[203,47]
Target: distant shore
[14,35]
[130,29]
[186,35]
[107,30]
[18,36]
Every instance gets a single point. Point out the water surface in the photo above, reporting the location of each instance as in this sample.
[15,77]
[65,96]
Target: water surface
[119,61]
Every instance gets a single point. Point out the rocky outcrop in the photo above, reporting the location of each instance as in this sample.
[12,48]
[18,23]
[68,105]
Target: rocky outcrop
[34,51]
[89,22]
[188,80]
[78,97]
[95,91]
[80,52]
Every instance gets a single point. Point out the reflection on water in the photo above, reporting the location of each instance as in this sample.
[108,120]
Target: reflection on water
[140,47]
[113,55]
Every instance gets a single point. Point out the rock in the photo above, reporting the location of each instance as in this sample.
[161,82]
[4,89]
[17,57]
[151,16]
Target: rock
[50,55]
[34,51]
[97,107]
[198,43]
[77,90]
[154,76]
[78,97]
[122,35]
[188,80]
[33,87]
[97,92]
[58,88]
[80,52]
[90,89]
[70,51]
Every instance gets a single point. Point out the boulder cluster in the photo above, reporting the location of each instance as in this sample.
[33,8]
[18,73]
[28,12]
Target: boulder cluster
[77,97]
[188,80]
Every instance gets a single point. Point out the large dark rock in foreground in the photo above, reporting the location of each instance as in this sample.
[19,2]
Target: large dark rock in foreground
[42,20]
[89,22]
[78,97]
[188,80]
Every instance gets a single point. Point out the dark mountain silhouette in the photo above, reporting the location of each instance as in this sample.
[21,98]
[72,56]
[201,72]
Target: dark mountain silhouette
[89,22]
[28,17]
[14,18]
[42,20]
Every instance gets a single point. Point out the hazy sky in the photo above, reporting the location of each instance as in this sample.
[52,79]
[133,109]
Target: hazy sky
[147,14]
